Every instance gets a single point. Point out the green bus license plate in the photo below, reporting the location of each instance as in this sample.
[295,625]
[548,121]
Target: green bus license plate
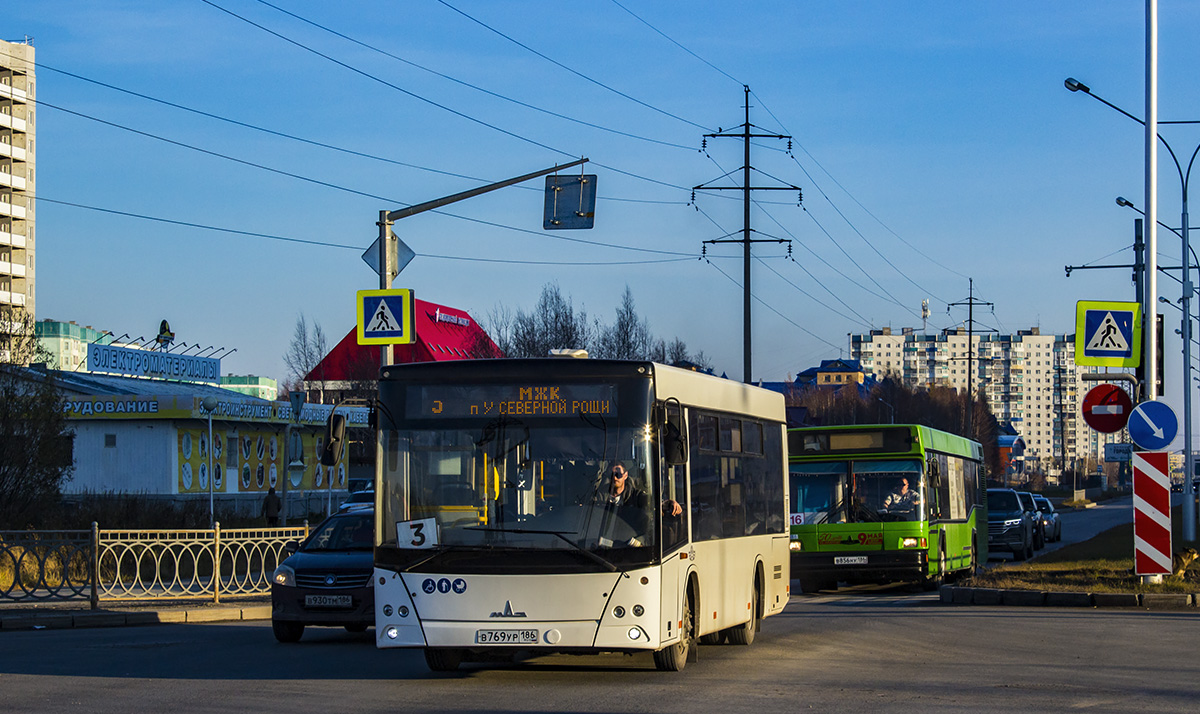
[327,601]
[850,560]
[506,637]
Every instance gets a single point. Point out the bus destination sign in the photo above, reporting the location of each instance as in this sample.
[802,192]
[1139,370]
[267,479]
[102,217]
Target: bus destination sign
[527,401]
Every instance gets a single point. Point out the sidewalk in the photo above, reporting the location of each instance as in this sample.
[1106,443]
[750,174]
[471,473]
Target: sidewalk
[61,615]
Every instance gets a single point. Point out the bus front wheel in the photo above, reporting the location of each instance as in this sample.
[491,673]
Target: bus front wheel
[674,657]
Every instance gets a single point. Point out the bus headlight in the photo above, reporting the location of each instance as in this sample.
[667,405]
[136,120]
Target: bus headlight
[387,610]
[284,575]
[634,633]
[391,632]
[913,542]
[795,545]
[618,611]
[638,610]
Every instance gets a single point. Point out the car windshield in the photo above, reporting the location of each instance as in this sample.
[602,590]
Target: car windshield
[1026,501]
[353,531]
[361,497]
[1000,501]
[1044,505]
[857,491]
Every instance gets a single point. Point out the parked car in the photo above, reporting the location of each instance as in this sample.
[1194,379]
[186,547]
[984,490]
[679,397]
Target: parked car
[1010,527]
[358,501]
[326,581]
[1051,523]
[1039,534]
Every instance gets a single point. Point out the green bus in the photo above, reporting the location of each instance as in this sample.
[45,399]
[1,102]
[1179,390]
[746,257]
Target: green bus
[884,503]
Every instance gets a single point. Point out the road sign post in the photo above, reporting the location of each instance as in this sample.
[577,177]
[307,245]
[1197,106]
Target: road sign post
[1151,514]
[386,317]
[1106,408]
[1153,425]
[1108,334]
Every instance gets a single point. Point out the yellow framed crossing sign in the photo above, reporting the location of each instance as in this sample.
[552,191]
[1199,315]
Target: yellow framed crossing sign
[386,317]
[1108,334]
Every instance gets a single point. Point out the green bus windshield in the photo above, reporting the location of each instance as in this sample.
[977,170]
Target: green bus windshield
[857,491]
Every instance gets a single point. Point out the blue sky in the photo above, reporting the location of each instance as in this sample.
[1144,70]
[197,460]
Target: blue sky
[933,142]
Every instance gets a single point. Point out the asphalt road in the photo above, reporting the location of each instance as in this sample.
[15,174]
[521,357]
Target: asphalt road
[845,652]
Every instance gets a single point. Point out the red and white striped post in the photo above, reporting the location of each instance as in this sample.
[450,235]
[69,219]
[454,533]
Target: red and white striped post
[1151,513]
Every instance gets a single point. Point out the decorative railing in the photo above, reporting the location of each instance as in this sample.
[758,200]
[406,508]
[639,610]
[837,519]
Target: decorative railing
[115,565]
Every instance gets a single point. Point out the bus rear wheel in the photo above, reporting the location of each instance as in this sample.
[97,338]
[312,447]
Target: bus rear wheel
[443,659]
[674,657]
[744,634]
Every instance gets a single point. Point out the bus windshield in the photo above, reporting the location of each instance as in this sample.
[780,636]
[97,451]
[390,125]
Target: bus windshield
[517,483]
[858,491]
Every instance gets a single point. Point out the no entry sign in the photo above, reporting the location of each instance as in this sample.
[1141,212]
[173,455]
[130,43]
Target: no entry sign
[1151,513]
[1106,408]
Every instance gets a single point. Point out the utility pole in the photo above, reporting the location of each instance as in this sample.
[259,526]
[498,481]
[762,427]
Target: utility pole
[745,132]
[970,302]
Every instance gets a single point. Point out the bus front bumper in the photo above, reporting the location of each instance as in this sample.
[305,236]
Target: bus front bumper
[872,566]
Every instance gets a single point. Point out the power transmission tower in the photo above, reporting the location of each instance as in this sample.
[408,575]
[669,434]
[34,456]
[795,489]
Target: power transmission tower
[745,132]
[970,302]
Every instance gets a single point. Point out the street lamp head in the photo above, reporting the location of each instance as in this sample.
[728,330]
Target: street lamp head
[1125,202]
[210,404]
[1076,86]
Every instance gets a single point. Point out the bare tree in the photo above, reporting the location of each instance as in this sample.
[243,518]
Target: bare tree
[629,336]
[554,323]
[36,443]
[305,351]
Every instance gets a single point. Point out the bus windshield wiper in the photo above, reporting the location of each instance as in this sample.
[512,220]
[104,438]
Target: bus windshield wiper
[523,531]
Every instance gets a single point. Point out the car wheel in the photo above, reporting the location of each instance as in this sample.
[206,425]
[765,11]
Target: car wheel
[358,627]
[287,631]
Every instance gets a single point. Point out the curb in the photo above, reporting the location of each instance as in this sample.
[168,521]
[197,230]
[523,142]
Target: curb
[957,595]
[108,618]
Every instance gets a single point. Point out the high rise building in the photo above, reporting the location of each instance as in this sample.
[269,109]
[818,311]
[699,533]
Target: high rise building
[17,241]
[1030,380]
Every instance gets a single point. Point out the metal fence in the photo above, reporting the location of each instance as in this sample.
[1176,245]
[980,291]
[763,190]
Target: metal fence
[113,565]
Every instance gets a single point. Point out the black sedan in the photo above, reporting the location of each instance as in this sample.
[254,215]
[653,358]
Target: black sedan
[327,580]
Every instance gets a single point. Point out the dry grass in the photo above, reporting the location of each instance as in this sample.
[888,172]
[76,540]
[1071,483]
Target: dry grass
[1103,564]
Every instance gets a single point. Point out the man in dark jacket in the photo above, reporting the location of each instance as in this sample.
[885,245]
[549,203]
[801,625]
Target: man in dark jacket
[271,506]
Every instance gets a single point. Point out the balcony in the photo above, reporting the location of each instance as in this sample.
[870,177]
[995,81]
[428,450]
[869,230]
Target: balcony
[9,151]
[16,270]
[7,91]
[16,240]
[14,182]
[11,298]
[8,209]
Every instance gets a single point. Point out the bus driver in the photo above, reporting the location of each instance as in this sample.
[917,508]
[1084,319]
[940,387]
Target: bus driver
[903,500]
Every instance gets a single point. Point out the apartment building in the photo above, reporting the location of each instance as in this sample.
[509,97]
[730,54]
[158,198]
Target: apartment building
[17,241]
[1030,380]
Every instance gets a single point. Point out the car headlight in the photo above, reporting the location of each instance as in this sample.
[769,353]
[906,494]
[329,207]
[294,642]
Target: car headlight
[1012,522]
[284,575]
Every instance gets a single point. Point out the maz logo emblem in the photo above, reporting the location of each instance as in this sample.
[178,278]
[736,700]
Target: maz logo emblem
[508,611]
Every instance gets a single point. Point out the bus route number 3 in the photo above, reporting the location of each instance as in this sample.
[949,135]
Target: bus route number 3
[417,534]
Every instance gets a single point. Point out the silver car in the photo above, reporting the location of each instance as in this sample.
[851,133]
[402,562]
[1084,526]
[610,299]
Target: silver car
[1051,523]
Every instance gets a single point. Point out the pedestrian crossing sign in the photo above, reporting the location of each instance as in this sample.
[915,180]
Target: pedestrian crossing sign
[386,317]
[1108,334]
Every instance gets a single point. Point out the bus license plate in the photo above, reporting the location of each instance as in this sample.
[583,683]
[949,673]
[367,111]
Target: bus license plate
[850,560]
[327,601]
[506,637]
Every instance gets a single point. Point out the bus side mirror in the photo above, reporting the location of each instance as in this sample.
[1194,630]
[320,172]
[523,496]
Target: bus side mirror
[335,436]
[674,438]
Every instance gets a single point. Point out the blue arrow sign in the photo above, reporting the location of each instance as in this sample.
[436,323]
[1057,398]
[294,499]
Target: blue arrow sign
[1153,425]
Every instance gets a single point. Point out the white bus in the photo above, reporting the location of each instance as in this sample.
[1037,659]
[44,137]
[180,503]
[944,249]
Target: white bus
[500,527]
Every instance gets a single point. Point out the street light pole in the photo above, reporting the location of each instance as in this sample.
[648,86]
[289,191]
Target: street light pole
[210,405]
[1150,321]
